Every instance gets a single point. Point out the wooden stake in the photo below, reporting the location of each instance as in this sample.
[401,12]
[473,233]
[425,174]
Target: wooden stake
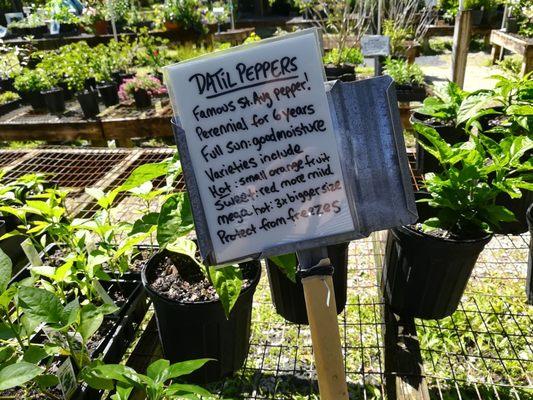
[461,42]
[322,314]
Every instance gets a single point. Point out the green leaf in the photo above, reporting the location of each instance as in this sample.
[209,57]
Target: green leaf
[34,354]
[144,173]
[145,223]
[90,320]
[122,392]
[156,370]
[46,381]
[6,267]
[6,332]
[287,263]
[18,374]
[183,246]
[186,367]
[117,372]
[180,389]
[175,219]
[70,313]
[227,282]
[40,304]
[5,353]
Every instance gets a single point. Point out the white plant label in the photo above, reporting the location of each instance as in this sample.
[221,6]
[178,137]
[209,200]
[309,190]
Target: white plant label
[375,45]
[67,379]
[263,150]
[31,253]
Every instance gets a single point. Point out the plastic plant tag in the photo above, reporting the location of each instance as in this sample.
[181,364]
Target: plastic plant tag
[67,379]
[102,293]
[375,45]
[265,156]
[31,253]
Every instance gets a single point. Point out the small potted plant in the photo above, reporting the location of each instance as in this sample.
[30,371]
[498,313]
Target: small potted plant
[68,21]
[504,114]
[207,308]
[344,24]
[184,16]
[428,264]
[409,79]
[440,113]
[341,64]
[33,25]
[142,88]
[29,85]
[9,101]
[53,96]
[9,66]
[87,97]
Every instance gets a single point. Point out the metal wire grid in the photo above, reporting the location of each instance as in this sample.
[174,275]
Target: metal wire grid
[7,157]
[483,351]
[69,168]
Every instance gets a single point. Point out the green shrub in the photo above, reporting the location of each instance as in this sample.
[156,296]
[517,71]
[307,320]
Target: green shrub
[35,80]
[7,97]
[346,56]
[404,73]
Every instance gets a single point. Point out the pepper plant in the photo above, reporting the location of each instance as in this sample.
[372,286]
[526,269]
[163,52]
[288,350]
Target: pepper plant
[463,196]
[444,106]
[156,384]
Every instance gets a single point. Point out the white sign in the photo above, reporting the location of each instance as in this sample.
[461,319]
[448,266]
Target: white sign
[67,379]
[375,45]
[263,150]
[218,11]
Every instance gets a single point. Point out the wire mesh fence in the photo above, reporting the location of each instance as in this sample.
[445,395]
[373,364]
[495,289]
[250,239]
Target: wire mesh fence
[483,351]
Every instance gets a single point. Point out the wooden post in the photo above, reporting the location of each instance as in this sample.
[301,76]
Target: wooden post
[461,42]
[322,314]
[527,62]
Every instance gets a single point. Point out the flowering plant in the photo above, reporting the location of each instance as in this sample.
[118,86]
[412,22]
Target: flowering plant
[141,82]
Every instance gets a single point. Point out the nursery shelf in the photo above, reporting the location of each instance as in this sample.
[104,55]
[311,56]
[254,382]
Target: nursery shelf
[483,351]
[121,122]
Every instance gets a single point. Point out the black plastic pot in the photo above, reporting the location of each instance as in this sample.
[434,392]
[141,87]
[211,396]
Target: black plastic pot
[7,84]
[425,276]
[529,279]
[68,29]
[35,99]
[519,207]
[410,93]
[90,83]
[120,76]
[8,107]
[109,93]
[142,98]
[288,297]
[200,330]
[39,31]
[88,100]
[11,246]
[425,162]
[55,101]
[344,72]
[67,93]
[477,17]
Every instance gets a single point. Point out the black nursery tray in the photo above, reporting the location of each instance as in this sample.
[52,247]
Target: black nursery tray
[10,106]
[406,93]
[117,331]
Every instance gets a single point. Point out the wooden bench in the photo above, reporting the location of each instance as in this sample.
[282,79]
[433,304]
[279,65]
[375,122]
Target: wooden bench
[519,45]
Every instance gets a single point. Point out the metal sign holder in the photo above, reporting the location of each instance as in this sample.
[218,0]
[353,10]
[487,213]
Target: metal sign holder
[374,164]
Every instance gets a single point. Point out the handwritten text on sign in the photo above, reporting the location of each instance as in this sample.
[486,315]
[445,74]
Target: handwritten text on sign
[263,151]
